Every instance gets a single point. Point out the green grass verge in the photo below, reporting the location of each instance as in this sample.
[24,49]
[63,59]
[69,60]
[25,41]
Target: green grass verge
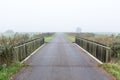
[7,72]
[70,38]
[48,39]
[114,69]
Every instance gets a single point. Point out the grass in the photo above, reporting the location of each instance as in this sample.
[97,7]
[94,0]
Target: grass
[70,38]
[7,72]
[116,60]
[48,39]
[114,69]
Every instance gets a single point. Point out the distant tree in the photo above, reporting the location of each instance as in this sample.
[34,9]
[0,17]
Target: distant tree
[78,30]
[9,32]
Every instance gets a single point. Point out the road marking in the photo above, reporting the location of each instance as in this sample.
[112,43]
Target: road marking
[89,54]
[32,53]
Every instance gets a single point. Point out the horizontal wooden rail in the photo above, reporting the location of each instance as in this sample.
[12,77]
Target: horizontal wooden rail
[100,51]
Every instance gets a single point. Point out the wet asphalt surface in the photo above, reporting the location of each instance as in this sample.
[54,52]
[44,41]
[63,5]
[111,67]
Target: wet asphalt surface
[61,60]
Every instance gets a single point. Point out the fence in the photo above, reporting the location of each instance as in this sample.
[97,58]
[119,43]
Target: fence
[19,51]
[100,51]
[25,49]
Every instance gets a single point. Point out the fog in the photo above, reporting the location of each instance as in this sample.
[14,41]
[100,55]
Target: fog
[60,15]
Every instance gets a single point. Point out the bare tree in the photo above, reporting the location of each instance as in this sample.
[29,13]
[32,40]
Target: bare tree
[78,30]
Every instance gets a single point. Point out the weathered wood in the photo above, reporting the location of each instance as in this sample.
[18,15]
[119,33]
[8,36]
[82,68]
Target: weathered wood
[102,52]
[23,50]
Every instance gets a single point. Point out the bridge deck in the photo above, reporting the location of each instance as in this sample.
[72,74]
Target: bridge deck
[61,60]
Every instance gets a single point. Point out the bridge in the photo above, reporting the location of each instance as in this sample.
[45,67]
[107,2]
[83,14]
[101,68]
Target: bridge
[63,60]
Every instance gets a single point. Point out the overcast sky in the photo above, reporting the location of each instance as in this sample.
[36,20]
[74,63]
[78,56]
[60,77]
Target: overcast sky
[60,15]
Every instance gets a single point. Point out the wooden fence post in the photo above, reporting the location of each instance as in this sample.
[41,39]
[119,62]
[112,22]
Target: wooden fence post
[107,55]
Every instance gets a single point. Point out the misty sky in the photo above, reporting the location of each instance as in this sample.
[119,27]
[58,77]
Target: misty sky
[60,15]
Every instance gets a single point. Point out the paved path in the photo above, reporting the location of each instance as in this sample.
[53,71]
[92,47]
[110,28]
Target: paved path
[61,60]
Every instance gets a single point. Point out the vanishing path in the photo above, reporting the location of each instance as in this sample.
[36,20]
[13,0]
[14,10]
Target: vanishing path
[61,60]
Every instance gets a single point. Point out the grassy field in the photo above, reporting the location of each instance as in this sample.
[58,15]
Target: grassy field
[49,38]
[114,69]
[70,38]
[7,72]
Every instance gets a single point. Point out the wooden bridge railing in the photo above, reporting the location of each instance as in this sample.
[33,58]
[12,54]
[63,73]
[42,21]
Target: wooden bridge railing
[100,51]
[25,49]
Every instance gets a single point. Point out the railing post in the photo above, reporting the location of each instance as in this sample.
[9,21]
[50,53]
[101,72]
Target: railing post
[95,50]
[107,55]
[43,40]
[16,54]
[101,51]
